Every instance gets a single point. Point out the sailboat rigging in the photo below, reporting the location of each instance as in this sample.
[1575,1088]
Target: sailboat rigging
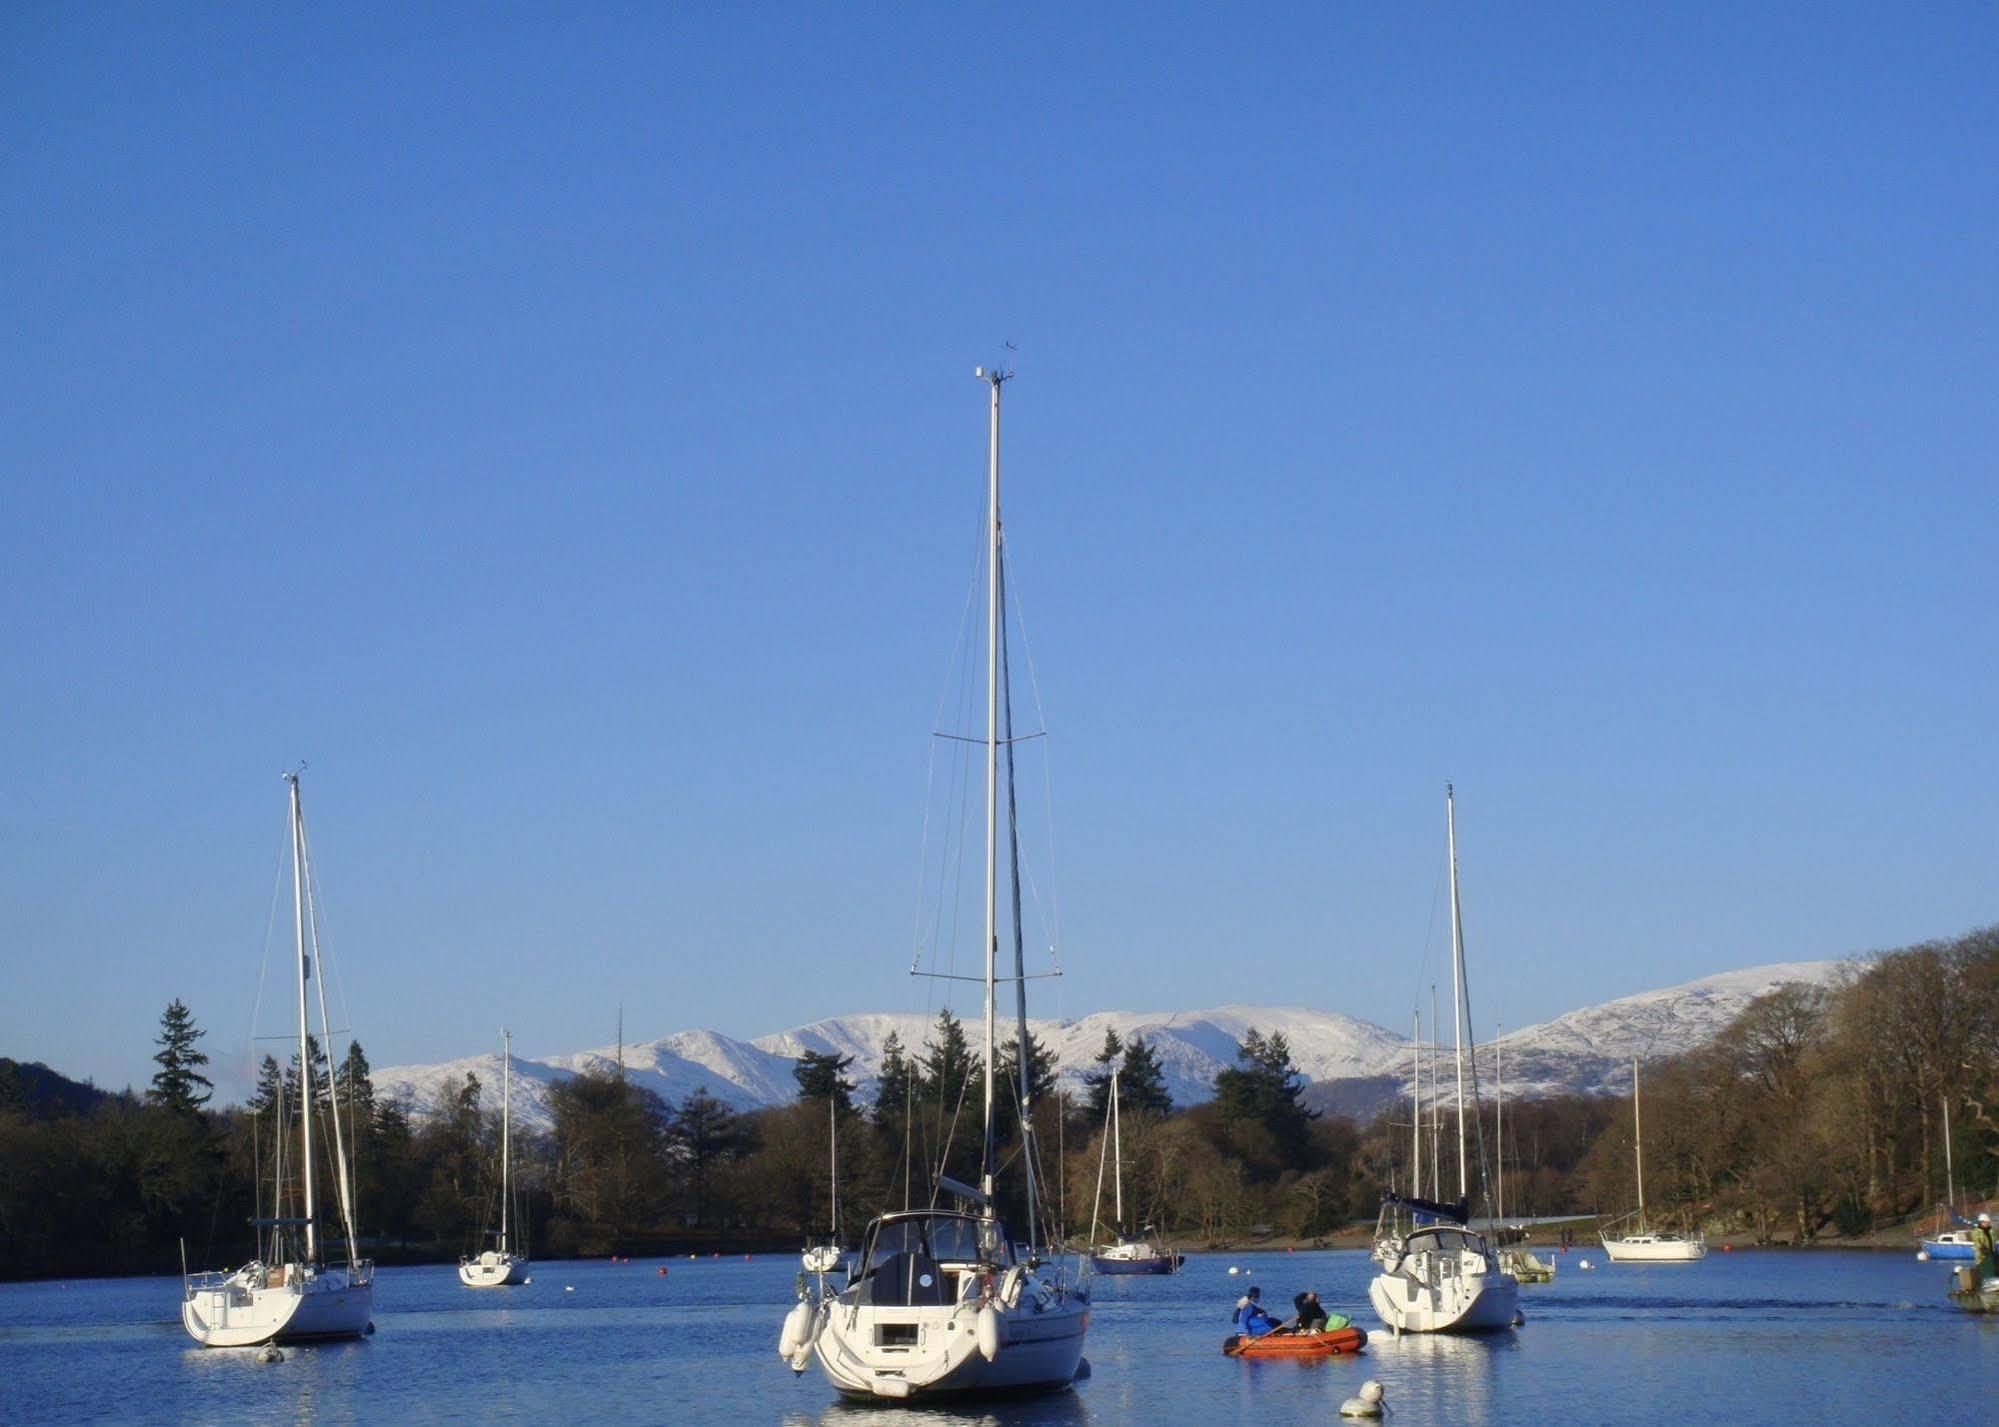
[941,1302]
[290,1292]
[1643,1245]
[1126,1253]
[1441,1275]
[500,1266]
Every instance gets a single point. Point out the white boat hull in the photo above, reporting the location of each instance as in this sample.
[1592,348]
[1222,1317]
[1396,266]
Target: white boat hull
[240,1315]
[1647,1248]
[1039,1352]
[1480,1303]
[493,1271]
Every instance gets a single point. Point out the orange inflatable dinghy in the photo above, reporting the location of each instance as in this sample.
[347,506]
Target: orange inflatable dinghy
[1333,1343]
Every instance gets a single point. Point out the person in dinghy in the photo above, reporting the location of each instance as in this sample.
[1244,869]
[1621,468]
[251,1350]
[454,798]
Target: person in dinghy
[1251,1321]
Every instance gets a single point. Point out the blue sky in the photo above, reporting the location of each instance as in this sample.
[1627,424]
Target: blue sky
[559,430]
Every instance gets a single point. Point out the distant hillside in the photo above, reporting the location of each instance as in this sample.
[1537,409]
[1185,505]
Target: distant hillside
[45,1094]
[1586,1052]
[1355,1067]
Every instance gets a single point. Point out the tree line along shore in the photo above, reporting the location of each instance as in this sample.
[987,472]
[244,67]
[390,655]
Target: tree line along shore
[1815,1117]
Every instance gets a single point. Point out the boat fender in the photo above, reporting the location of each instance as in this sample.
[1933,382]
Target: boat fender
[797,1330]
[1366,1404]
[272,1354]
[991,1331]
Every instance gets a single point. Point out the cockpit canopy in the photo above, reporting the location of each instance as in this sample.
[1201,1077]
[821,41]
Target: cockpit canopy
[946,1238]
[923,1258]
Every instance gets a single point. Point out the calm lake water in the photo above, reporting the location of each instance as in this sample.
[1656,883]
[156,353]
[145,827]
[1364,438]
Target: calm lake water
[1766,1339]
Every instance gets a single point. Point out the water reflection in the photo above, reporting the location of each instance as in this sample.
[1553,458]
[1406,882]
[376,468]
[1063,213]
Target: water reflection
[1055,1409]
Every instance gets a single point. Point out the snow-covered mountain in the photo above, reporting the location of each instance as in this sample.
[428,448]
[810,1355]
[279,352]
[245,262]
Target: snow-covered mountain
[1355,1065]
[1586,1052]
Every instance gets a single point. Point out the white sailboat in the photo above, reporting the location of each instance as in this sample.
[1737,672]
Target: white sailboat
[1444,1276]
[1126,1253]
[942,1302]
[289,1293]
[827,1257]
[499,1266]
[1643,1245]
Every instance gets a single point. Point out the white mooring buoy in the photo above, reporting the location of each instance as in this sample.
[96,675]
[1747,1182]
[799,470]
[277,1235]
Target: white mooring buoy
[1367,1404]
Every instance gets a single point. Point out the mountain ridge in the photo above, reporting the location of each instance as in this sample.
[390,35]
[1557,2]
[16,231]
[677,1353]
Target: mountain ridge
[1584,1051]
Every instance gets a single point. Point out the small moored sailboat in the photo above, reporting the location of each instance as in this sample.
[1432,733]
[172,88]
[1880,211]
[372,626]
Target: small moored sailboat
[1643,1245]
[288,1293]
[500,1266]
[1126,1253]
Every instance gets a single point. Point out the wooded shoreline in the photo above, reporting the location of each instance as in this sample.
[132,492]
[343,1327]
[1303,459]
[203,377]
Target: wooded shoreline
[1815,1118]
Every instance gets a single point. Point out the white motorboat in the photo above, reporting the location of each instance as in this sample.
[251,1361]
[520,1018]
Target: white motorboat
[940,1302]
[1440,1275]
[1643,1245]
[500,1266]
[288,1294]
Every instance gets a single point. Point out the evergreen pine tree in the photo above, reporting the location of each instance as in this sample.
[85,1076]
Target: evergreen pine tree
[892,1085]
[270,1086]
[179,1084]
[1142,1081]
[1263,1087]
[821,1076]
[1099,1079]
[1040,1083]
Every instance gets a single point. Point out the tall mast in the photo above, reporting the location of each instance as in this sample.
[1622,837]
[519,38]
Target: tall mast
[304,1049]
[1117,1155]
[506,1124]
[1638,1138]
[342,1178]
[1416,1113]
[1949,1174]
[833,1146]
[1499,1124]
[995,379]
[1436,1106]
[1457,982]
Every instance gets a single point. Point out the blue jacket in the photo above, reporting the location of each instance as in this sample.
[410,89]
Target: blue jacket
[1253,1322]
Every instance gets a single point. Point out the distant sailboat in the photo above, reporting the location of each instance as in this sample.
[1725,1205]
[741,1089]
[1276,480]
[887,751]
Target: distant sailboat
[1948,1243]
[289,1293]
[1643,1245]
[826,1257]
[1126,1253]
[499,1266]
[1443,1276]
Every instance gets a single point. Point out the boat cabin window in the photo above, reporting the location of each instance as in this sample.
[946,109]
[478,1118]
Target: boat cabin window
[941,1238]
